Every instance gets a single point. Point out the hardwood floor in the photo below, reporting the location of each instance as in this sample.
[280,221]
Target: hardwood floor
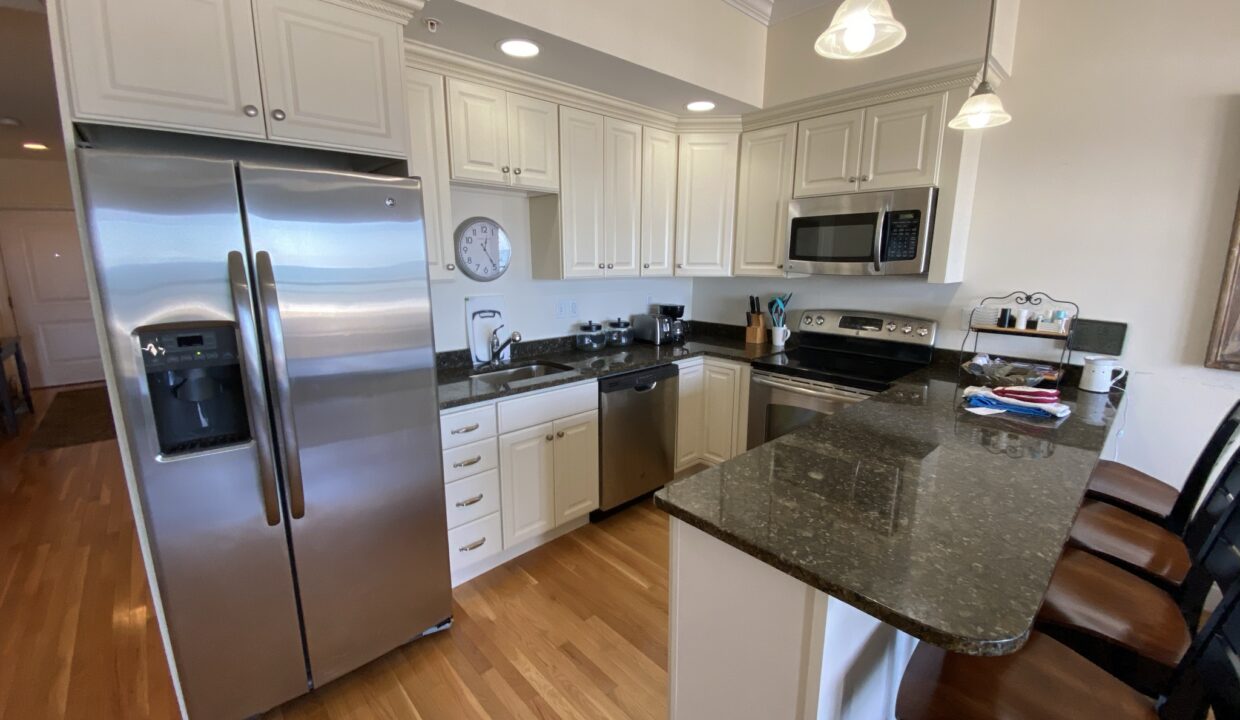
[574,629]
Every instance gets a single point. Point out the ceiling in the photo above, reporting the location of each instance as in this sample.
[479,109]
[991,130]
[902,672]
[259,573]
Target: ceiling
[473,32]
[28,95]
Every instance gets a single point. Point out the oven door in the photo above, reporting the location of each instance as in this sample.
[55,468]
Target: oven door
[779,404]
[874,233]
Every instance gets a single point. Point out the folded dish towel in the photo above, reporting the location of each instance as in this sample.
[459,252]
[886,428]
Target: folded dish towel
[1039,407]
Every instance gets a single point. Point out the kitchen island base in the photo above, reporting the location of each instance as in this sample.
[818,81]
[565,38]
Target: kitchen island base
[749,641]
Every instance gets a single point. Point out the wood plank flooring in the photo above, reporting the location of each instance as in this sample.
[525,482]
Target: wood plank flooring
[576,629]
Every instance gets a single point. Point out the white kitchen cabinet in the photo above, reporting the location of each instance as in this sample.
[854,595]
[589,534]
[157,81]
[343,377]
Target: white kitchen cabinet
[902,142]
[576,466]
[581,237]
[764,189]
[501,138]
[189,65]
[658,209]
[527,482]
[689,414]
[331,76]
[705,204]
[622,191]
[428,159]
[721,407]
[829,154]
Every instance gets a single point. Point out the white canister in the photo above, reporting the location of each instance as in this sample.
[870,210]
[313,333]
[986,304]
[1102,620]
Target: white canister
[780,335]
[1098,375]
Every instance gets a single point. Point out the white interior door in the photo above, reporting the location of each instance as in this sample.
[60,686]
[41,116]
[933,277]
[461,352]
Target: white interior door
[51,304]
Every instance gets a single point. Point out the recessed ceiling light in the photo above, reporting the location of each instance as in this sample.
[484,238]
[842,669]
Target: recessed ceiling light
[34,146]
[10,122]
[518,48]
[700,106]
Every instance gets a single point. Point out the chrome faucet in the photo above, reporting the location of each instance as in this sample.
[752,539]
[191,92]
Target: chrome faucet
[497,346]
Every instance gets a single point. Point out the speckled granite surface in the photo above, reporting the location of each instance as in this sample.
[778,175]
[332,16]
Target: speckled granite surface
[939,522]
[457,387]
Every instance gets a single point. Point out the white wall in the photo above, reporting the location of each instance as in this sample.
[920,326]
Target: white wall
[34,185]
[1115,185]
[705,42]
[531,304]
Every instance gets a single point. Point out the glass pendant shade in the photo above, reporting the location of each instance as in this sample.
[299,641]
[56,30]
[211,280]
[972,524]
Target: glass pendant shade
[860,28]
[983,110]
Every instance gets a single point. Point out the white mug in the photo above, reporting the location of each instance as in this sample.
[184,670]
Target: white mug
[1098,375]
[780,335]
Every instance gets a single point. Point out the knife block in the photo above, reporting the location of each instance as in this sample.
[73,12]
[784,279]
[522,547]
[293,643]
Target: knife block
[755,331]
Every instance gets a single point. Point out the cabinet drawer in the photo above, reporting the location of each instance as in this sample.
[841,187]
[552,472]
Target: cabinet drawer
[523,412]
[475,541]
[470,459]
[466,426]
[471,498]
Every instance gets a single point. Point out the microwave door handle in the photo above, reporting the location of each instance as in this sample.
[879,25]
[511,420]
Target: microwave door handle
[878,240]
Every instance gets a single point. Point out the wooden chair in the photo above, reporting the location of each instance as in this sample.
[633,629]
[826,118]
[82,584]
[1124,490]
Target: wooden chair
[1131,628]
[11,347]
[1151,498]
[1046,680]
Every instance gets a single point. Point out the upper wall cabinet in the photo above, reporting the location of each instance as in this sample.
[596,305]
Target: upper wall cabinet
[428,159]
[581,236]
[658,202]
[764,189]
[501,138]
[306,72]
[896,144]
[622,197]
[705,204]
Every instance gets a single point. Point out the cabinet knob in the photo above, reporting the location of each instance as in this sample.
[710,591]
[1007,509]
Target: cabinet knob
[646,265]
[610,266]
[780,266]
[550,437]
[680,265]
[865,178]
[853,178]
[601,266]
[450,267]
[504,169]
[516,171]
[277,114]
[560,434]
[250,111]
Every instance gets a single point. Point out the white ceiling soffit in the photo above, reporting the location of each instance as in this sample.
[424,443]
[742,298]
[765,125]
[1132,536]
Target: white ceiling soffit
[29,95]
[476,33]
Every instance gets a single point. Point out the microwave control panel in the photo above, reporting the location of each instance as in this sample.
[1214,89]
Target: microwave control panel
[902,232]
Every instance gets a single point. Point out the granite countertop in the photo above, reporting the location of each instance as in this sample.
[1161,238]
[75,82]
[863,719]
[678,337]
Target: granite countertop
[942,523]
[456,388]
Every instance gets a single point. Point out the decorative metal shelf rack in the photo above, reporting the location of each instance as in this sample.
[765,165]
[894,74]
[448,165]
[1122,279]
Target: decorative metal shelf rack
[977,327]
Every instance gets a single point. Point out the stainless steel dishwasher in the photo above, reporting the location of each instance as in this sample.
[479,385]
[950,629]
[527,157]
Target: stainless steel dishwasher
[637,436]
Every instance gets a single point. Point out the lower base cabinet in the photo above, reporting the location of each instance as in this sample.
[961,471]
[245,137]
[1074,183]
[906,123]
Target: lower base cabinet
[712,414]
[548,475]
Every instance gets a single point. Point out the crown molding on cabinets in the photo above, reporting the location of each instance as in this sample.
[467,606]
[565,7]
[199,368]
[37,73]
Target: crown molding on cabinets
[759,10]
[459,65]
[711,123]
[401,11]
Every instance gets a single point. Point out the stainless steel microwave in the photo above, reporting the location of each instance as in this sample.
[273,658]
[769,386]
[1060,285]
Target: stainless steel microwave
[872,233]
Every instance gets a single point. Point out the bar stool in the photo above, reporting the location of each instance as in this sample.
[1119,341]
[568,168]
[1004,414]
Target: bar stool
[11,347]
[1151,498]
[1045,680]
[1131,628]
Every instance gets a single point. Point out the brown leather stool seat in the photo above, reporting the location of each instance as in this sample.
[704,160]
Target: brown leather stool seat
[1043,680]
[1132,490]
[1133,543]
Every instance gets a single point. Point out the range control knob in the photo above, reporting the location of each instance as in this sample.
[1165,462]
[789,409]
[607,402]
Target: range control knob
[819,320]
[922,332]
[808,320]
[891,327]
[906,329]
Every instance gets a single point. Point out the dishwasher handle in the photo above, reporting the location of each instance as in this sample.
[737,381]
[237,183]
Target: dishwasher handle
[640,380]
[646,388]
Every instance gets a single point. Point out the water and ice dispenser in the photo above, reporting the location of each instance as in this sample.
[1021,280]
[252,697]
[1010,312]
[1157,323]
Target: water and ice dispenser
[194,377]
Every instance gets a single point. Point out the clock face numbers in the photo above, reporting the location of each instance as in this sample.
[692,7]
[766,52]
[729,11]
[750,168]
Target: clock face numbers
[482,249]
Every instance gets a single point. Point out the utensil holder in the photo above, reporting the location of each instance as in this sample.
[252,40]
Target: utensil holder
[755,331]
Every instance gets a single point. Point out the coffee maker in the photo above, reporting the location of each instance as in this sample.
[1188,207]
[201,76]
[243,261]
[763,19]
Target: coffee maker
[662,327]
[674,313]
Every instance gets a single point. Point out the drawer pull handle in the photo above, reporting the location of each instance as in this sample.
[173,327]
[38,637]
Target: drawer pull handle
[469,501]
[473,545]
[466,429]
[466,463]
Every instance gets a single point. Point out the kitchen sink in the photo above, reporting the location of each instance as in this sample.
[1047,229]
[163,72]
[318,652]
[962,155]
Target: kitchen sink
[524,372]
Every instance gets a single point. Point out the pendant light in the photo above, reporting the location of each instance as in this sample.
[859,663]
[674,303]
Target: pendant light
[983,109]
[860,28]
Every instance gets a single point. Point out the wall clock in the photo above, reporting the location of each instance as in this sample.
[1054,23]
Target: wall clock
[483,251]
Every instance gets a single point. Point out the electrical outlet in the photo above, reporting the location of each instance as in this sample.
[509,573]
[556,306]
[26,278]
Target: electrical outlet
[565,309]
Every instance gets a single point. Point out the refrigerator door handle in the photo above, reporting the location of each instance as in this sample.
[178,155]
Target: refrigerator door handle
[251,378]
[273,338]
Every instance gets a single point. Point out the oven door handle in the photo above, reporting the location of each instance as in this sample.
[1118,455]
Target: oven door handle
[878,240]
[798,390]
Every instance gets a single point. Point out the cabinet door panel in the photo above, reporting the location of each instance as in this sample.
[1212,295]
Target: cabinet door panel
[581,197]
[763,193]
[622,189]
[334,73]
[658,202]
[720,399]
[576,466]
[428,159]
[533,143]
[829,153]
[902,143]
[706,204]
[689,416]
[478,132]
[527,483]
[184,64]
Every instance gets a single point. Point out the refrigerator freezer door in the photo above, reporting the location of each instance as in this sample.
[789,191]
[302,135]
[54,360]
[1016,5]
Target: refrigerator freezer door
[340,262]
[162,230]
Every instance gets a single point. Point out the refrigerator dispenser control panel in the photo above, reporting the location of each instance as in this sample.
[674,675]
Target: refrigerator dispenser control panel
[199,347]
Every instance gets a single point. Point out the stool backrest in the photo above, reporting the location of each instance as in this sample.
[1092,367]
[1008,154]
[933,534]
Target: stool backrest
[1217,565]
[1225,491]
[1203,470]
[1208,677]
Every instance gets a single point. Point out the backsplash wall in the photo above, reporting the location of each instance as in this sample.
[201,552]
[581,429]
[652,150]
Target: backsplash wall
[531,305]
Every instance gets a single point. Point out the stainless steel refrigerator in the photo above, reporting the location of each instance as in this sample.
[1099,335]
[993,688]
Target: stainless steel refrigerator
[270,334]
